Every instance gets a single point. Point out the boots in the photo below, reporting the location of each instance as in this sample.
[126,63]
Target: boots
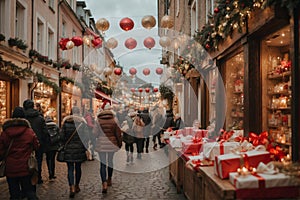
[77,188]
[72,191]
[104,187]
[109,181]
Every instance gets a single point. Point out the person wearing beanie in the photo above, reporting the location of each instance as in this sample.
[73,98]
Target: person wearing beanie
[75,150]
[18,132]
[38,125]
[109,141]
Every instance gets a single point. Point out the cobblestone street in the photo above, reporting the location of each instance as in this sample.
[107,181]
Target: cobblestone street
[126,185]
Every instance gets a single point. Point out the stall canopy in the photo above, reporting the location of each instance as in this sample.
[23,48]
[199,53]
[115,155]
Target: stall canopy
[103,96]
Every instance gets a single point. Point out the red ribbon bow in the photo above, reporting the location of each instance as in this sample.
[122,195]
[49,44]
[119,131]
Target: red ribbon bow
[261,139]
[225,136]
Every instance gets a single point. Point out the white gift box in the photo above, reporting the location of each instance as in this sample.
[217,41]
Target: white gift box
[213,149]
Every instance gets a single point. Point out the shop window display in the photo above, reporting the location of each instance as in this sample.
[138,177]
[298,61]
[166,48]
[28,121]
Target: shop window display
[276,68]
[3,101]
[235,92]
[44,95]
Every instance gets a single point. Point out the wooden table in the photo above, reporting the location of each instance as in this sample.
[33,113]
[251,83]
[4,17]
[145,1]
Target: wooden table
[176,168]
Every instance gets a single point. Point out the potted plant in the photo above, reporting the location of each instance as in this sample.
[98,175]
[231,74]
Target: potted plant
[12,42]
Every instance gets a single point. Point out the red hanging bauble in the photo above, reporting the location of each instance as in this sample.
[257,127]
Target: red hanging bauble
[77,41]
[126,24]
[63,43]
[216,10]
[149,42]
[132,90]
[97,42]
[130,43]
[146,71]
[155,89]
[147,90]
[140,89]
[159,70]
[132,71]
[118,71]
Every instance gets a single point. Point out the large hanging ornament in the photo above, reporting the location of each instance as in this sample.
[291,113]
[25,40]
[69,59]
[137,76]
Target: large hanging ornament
[77,41]
[148,22]
[149,42]
[147,90]
[132,71]
[130,43]
[164,41]
[155,89]
[118,71]
[126,24]
[97,42]
[159,70]
[63,43]
[111,43]
[146,71]
[140,90]
[107,71]
[132,90]
[102,24]
[70,45]
[167,22]
[87,40]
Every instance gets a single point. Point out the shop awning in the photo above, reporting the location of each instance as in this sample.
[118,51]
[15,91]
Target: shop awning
[103,96]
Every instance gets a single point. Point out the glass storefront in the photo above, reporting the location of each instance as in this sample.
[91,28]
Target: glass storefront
[276,86]
[234,76]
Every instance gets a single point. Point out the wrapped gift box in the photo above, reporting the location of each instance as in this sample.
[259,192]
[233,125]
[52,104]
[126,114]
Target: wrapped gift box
[191,148]
[265,186]
[213,149]
[175,142]
[224,164]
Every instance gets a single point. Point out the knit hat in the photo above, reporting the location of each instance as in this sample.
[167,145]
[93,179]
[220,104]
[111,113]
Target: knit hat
[28,104]
[18,112]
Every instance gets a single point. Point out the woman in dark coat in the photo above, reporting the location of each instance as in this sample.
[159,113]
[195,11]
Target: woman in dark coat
[109,141]
[55,143]
[128,135]
[24,142]
[75,150]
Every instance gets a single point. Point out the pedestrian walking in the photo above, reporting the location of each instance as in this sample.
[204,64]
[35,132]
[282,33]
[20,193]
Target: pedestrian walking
[147,128]
[138,130]
[55,143]
[90,120]
[74,130]
[38,124]
[128,136]
[156,125]
[108,142]
[18,141]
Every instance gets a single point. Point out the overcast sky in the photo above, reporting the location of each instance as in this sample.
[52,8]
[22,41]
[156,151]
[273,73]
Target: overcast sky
[140,57]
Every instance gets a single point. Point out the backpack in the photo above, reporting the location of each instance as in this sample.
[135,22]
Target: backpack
[54,136]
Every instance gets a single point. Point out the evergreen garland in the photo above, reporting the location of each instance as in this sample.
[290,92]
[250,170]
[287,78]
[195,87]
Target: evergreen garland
[2,37]
[14,71]
[42,78]
[232,14]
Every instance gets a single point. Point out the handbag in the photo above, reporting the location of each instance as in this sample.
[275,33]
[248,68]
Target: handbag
[61,150]
[32,163]
[3,162]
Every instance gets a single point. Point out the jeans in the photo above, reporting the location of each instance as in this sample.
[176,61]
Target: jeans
[16,184]
[147,141]
[50,158]
[71,167]
[157,135]
[39,158]
[106,163]
[140,144]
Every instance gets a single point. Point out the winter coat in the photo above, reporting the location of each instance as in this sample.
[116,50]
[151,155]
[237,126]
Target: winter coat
[107,132]
[147,120]
[169,123]
[128,136]
[178,124]
[25,141]
[55,136]
[157,122]
[38,124]
[138,127]
[75,150]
